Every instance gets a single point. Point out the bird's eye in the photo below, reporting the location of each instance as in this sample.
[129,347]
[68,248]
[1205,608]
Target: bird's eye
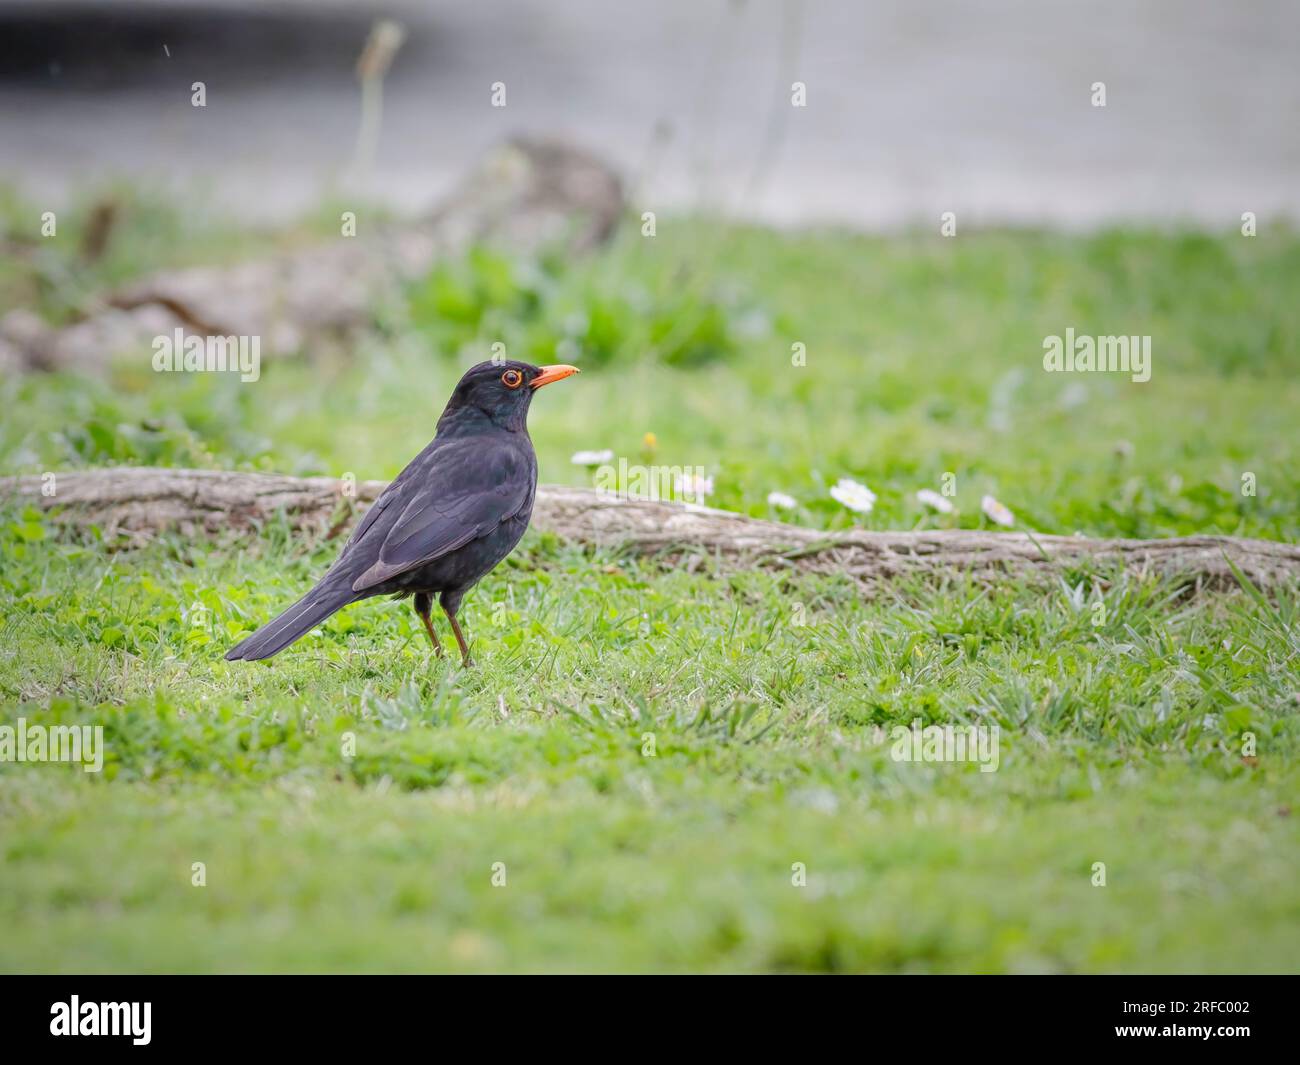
[512,379]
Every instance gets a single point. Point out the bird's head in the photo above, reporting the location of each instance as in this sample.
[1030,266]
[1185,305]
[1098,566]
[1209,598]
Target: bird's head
[499,392]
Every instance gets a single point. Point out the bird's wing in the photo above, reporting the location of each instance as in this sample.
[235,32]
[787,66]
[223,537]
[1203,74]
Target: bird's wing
[381,504]
[467,489]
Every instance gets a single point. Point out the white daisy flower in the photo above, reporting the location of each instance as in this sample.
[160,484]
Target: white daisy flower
[855,496]
[932,499]
[996,512]
[592,458]
[692,486]
[781,501]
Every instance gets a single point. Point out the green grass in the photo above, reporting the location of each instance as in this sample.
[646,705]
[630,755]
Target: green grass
[650,751]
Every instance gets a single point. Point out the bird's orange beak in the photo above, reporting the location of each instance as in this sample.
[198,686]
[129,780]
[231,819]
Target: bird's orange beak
[554,373]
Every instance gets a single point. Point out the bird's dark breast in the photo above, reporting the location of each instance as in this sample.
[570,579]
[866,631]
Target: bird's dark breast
[464,567]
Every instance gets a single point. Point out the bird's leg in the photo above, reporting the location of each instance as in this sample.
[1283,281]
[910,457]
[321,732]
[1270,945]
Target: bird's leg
[450,608]
[424,604]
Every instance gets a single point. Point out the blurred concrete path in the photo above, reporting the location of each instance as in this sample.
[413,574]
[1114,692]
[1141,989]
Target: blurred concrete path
[976,106]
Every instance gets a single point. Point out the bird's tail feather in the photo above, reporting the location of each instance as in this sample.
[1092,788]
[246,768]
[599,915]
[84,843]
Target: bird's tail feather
[330,596]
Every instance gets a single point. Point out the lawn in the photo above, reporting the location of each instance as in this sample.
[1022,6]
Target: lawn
[670,770]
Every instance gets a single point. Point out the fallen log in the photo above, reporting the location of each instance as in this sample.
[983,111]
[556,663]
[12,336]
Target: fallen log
[133,504]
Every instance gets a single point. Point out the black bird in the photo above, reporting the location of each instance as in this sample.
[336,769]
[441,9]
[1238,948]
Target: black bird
[456,511]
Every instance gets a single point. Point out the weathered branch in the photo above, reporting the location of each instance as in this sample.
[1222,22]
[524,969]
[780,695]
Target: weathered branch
[526,194]
[134,504]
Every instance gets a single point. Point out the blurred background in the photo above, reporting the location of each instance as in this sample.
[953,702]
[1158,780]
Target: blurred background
[982,108]
[779,226]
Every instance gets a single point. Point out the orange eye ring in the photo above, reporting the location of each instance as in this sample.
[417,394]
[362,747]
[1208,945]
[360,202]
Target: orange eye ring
[512,379]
